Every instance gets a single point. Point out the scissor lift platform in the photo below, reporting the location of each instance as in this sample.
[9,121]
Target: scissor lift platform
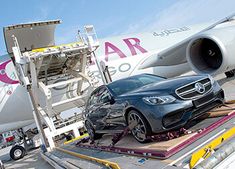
[54,75]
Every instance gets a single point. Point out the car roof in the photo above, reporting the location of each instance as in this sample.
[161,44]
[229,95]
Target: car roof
[127,78]
[130,77]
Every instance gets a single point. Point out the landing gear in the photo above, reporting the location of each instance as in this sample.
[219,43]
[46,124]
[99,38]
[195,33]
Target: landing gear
[230,73]
[17,152]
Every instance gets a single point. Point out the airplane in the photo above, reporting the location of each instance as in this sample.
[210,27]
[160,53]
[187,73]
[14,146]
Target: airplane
[205,48]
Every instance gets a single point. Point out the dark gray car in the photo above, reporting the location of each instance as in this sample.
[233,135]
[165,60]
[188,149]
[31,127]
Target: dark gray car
[157,104]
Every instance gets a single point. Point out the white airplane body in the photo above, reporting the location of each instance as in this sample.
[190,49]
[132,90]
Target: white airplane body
[165,53]
[125,54]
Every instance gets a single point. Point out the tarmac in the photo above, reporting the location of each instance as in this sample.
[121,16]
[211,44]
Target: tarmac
[32,160]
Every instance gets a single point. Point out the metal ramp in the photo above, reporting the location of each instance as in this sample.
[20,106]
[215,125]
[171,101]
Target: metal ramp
[54,76]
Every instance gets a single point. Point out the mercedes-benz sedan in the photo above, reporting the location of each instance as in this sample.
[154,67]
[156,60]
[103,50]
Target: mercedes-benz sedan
[157,104]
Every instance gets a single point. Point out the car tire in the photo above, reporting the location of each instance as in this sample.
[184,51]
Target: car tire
[142,130]
[91,131]
[17,152]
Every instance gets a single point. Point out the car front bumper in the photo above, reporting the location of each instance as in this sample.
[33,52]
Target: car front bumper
[175,115]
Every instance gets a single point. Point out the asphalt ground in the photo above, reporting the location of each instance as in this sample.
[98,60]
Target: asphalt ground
[32,160]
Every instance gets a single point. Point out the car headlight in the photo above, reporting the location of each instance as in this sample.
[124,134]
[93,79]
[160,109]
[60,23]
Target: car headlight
[154,100]
[211,79]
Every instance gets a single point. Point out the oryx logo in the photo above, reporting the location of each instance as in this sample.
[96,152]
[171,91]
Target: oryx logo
[3,75]
[200,88]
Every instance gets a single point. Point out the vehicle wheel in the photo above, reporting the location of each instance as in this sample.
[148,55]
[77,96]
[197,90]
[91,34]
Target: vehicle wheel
[142,129]
[17,152]
[91,131]
[230,73]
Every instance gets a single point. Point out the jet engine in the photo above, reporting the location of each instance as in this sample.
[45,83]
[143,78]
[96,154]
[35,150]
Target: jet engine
[213,51]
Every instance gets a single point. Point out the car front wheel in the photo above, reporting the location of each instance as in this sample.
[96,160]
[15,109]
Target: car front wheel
[142,129]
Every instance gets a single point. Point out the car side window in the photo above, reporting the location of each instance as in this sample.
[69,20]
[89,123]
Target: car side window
[94,98]
[104,95]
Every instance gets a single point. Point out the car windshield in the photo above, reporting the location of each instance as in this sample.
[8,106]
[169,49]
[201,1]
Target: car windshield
[122,86]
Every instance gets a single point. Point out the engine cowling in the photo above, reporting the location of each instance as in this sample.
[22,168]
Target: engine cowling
[212,52]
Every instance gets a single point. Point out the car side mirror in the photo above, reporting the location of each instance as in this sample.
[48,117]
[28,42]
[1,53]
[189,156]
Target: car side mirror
[111,100]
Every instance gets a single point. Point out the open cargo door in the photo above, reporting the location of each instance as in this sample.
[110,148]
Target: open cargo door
[31,35]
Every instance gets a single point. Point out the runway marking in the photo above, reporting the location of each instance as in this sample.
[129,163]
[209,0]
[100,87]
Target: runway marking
[183,156]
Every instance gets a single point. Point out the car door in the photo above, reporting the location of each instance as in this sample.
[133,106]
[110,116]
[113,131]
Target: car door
[104,106]
[92,108]
[111,111]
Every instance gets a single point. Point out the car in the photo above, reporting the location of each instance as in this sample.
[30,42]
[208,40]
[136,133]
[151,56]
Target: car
[156,104]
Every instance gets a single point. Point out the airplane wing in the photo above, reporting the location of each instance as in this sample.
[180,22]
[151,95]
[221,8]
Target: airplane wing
[176,54]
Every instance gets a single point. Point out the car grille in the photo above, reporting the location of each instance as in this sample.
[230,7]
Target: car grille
[192,91]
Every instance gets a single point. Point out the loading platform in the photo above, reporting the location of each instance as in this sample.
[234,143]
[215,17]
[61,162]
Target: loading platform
[165,149]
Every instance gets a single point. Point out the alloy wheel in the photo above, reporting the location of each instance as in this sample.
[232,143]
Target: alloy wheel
[139,131]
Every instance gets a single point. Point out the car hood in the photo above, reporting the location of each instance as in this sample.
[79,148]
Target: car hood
[166,86]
